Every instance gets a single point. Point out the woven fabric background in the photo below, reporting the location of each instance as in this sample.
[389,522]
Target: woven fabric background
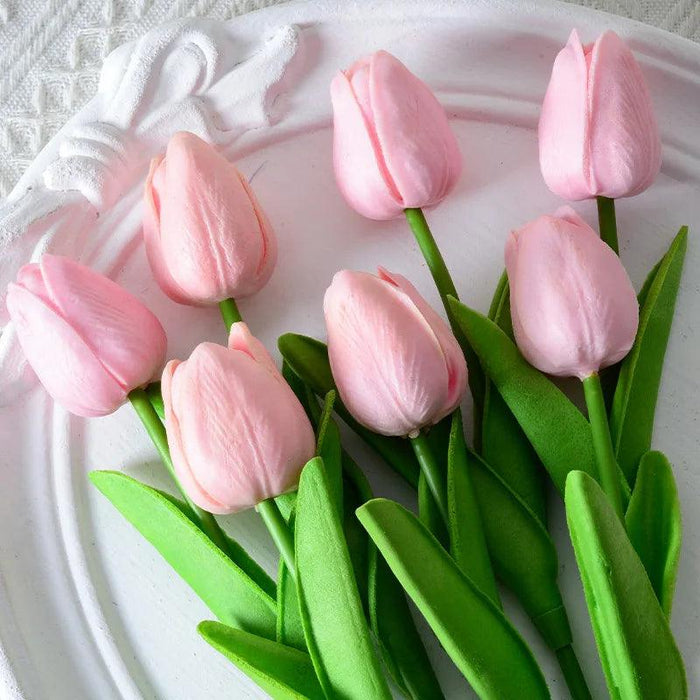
[52,51]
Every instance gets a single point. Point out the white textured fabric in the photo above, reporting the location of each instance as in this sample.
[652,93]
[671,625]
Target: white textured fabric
[52,51]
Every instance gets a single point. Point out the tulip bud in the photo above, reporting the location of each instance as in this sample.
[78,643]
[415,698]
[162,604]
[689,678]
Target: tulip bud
[598,134]
[392,143]
[89,341]
[573,306]
[207,238]
[237,433]
[397,365]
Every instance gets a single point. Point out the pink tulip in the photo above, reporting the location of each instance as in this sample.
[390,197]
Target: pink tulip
[89,341]
[206,236]
[598,135]
[396,363]
[237,433]
[393,147]
[573,306]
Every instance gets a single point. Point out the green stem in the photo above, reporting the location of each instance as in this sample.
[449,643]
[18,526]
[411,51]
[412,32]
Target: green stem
[607,222]
[572,674]
[608,472]
[229,312]
[431,472]
[446,287]
[156,431]
[279,531]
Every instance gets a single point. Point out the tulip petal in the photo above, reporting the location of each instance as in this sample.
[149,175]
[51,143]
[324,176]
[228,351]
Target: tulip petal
[240,338]
[245,436]
[418,146]
[153,190]
[625,149]
[563,125]
[126,337]
[454,357]
[387,362]
[182,468]
[66,366]
[355,158]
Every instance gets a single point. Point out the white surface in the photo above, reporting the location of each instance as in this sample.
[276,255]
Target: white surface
[87,608]
[52,52]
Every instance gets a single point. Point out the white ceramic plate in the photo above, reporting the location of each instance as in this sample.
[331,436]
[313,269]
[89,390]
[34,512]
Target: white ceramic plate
[87,608]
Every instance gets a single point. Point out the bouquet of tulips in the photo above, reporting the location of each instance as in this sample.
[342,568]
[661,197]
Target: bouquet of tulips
[236,432]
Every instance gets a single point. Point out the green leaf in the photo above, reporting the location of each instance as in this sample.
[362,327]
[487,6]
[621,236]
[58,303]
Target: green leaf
[634,404]
[329,450]
[472,630]
[290,630]
[233,596]
[334,624]
[654,525]
[635,644]
[402,648]
[556,429]
[236,553]
[522,553]
[467,540]
[504,445]
[301,390]
[308,358]
[282,672]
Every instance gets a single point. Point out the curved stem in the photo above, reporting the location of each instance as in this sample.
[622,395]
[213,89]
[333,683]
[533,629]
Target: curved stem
[608,473]
[229,312]
[431,472]
[572,673]
[446,287]
[156,430]
[279,531]
[607,223]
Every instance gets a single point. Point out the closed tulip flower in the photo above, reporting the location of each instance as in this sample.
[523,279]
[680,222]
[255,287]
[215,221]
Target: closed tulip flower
[573,306]
[89,341]
[393,148]
[397,365]
[598,135]
[237,433]
[207,238]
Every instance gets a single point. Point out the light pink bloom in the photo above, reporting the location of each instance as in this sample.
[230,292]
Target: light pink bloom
[237,433]
[597,132]
[397,365]
[89,341]
[573,306]
[207,238]
[392,143]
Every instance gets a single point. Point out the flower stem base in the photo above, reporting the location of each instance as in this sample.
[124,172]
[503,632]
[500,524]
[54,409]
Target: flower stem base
[608,472]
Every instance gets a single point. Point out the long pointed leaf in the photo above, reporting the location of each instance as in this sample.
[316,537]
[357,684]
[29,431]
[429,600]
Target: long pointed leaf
[336,632]
[233,596]
[654,525]
[634,403]
[473,631]
[284,673]
[635,644]
[522,553]
[504,445]
[402,649]
[467,541]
